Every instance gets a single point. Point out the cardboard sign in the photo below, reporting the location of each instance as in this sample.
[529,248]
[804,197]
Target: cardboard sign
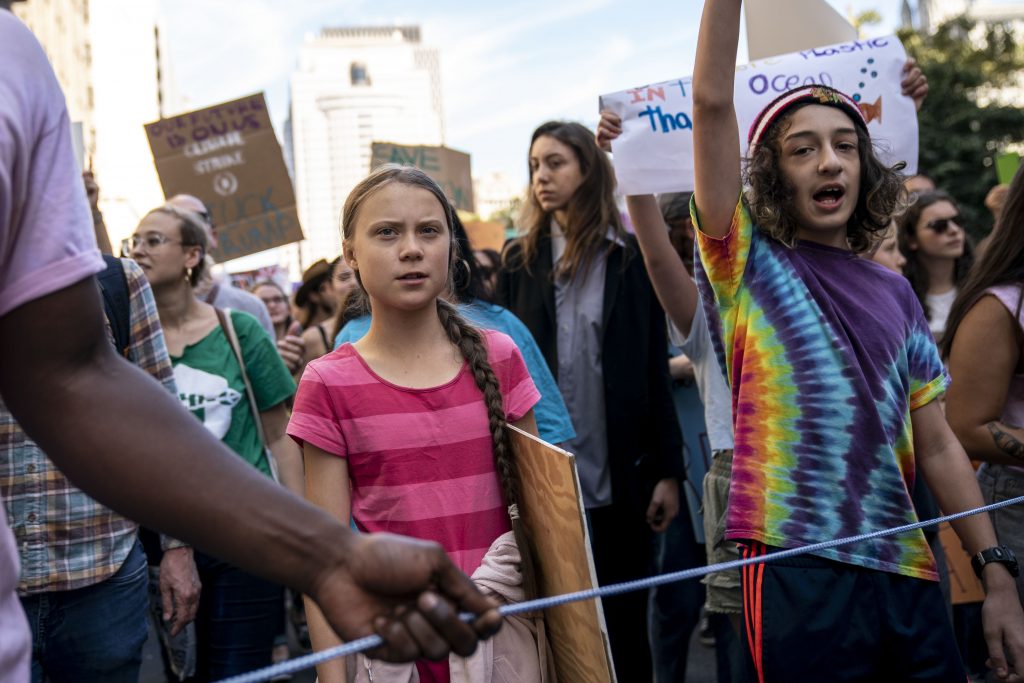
[554,519]
[654,154]
[449,168]
[964,585]
[775,27]
[486,234]
[229,157]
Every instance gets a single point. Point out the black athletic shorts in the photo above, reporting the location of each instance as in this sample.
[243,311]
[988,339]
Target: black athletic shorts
[811,619]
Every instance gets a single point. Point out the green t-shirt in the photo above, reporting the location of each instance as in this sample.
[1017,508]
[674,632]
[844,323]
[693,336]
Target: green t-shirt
[210,385]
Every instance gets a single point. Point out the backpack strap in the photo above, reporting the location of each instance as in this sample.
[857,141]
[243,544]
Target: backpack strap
[224,316]
[212,294]
[116,302]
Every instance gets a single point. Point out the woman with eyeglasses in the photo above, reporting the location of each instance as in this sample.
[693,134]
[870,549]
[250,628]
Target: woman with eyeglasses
[934,241]
[239,614]
[276,301]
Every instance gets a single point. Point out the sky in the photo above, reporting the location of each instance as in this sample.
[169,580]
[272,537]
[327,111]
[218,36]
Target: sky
[506,67]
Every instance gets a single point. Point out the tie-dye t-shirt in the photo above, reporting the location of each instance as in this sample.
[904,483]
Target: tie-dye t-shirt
[826,354]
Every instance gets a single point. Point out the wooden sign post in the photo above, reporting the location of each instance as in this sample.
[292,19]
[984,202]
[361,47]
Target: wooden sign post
[553,515]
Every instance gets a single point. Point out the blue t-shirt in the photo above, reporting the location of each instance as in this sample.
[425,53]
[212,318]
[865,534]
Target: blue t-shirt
[553,422]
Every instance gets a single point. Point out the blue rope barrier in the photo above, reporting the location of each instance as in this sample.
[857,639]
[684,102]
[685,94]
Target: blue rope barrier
[370,642]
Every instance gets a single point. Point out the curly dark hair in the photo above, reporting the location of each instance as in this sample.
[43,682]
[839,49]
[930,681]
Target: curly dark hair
[882,195]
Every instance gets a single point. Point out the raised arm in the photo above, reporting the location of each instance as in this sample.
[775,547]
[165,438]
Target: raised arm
[674,287]
[716,147]
[672,284]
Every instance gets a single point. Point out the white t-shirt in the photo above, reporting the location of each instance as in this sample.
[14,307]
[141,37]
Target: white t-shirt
[938,311]
[47,242]
[714,392]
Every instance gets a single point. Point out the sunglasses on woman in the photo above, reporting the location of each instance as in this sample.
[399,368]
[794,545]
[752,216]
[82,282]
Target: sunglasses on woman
[941,225]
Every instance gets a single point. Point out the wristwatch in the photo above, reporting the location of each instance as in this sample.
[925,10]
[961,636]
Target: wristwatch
[1000,554]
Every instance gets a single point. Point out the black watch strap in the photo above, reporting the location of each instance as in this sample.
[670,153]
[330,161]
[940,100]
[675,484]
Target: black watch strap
[1000,554]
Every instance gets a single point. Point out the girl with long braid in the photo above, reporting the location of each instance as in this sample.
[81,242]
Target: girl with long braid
[405,430]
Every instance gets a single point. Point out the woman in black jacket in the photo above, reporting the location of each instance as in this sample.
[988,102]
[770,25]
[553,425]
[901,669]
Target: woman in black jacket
[576,279]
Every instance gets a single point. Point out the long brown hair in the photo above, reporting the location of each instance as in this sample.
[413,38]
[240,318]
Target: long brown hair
[914,271]
[591,212]
[470,343]
[771,196]
[1002,262]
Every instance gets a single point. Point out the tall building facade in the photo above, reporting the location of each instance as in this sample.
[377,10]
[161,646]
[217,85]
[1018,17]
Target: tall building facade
[354,86]
[62,27]
[111,61]
[931,13]
[130,80]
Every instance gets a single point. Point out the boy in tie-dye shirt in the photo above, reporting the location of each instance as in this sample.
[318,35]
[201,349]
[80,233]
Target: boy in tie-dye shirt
[834,377]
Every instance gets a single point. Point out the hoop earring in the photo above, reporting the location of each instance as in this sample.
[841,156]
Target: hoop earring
[461,276]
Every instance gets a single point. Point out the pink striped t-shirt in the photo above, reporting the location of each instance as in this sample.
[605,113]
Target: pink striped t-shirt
[420,461]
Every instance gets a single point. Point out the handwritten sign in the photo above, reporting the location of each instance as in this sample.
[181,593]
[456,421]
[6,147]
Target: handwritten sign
[228,156]
[654,154]
[449,168]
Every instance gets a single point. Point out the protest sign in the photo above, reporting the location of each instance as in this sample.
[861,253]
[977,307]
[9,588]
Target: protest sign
[485,234]
[775,27]
[228,156]
[277,274]
[1006,167]
[555,523]
[449,168]
[78,145]
[655,151]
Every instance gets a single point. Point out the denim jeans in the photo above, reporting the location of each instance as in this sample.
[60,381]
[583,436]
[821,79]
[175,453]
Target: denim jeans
[675,607]
[94,633]
[239,616]
[999,483]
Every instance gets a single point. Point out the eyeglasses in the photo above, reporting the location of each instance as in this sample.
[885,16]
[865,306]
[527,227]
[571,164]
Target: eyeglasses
[941,225]
[148,242]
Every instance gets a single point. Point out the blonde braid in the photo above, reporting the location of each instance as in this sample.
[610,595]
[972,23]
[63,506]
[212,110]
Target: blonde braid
[470,343]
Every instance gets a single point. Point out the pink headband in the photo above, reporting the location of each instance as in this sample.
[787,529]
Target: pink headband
[808,94]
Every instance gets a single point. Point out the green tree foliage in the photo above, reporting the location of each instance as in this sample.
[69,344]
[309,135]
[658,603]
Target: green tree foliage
[865,19]
[960,136]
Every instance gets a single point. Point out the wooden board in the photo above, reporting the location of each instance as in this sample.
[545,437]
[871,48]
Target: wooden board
[552,510]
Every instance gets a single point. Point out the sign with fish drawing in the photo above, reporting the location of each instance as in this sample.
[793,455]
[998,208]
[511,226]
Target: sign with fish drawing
[655,151]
